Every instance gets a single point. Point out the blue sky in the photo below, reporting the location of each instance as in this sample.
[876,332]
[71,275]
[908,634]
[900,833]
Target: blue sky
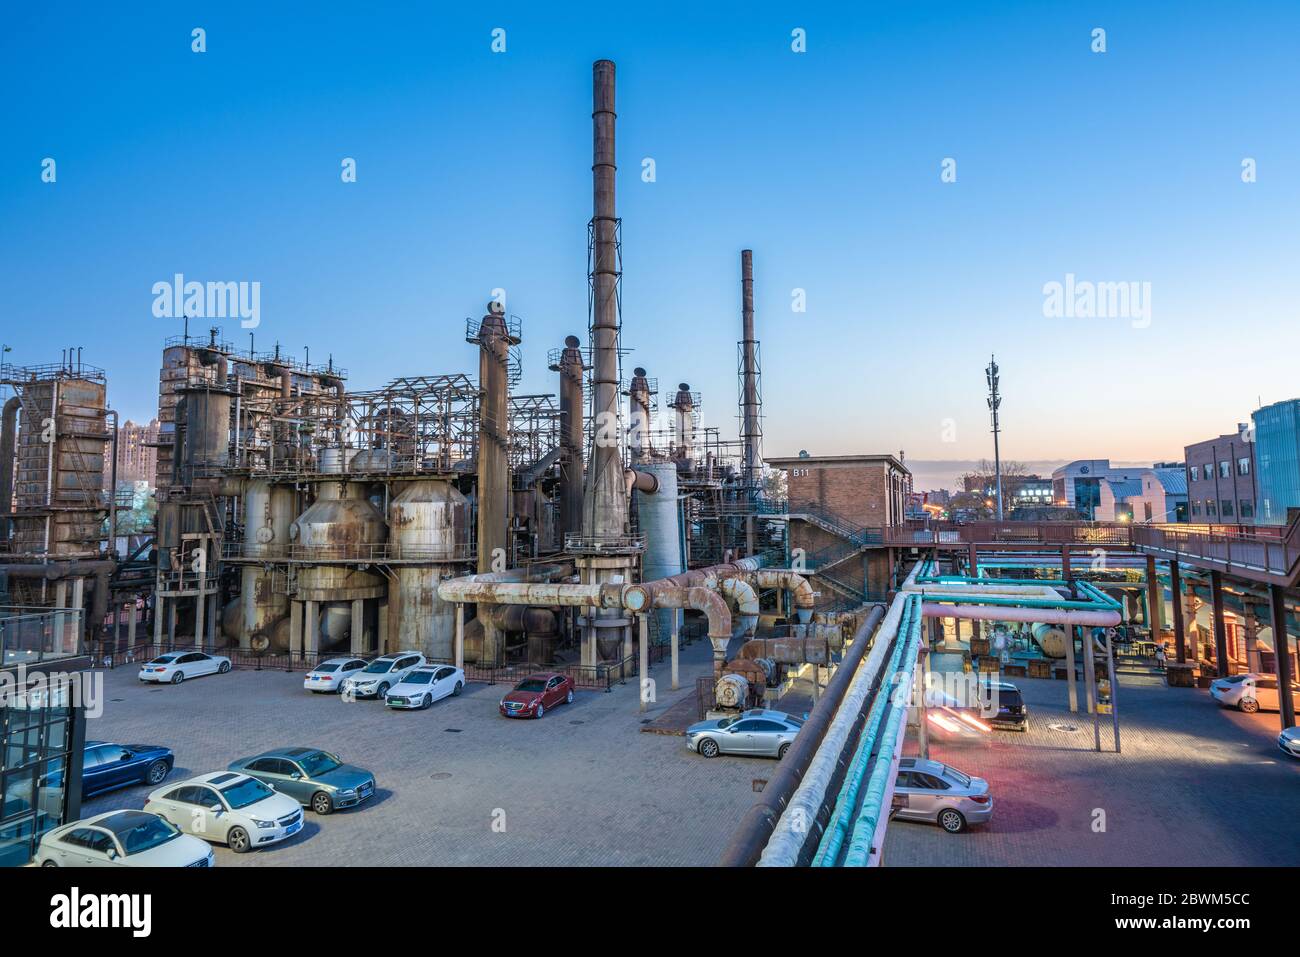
[474,173]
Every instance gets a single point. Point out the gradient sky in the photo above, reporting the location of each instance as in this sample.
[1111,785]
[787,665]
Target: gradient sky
[474,173]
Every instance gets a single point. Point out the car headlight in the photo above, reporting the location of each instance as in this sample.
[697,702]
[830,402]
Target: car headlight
[348,791]
[265,825]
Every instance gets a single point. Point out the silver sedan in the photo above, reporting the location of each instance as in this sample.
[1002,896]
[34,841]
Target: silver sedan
[931,791]
[758,732]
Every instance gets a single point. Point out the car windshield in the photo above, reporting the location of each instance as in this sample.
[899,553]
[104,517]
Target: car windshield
[146,835]
[245,792]
[378,666]
[956,775]
[326,669]
[163,660]
[320,762]
[531,684]
[418,678]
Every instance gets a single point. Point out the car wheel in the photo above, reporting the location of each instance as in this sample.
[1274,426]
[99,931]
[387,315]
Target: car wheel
[455,692]
[541,710]
[321,803]
[427,702]
[709,748]
[237,840]
[48,863]
[569,698]
[1249,705]
[223,668]
[952,821]
[780,752]
[178,677]
[382,692]
[157,771]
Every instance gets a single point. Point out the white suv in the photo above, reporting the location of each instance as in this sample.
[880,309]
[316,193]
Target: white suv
[376,678]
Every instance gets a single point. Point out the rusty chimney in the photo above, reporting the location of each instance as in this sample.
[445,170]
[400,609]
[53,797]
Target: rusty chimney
[571,420]
[751,402]
[605,503]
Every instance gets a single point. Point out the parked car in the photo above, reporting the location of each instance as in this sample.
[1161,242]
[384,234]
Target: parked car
[329,675]
[374,680]
[425,685]
[107,767]
[176,666]
[759,731]
[122,839]
[934,792]
[532,696]
[1012,712]
[1289,741]
[228,808]
[1251,692]
[312,777]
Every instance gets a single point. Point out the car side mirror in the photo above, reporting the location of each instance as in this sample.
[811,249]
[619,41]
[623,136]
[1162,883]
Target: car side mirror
[112,854]
[214,808]
[295,776]
[126,757]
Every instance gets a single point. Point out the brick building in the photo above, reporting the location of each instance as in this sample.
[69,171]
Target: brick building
[837,505]
[1221,485]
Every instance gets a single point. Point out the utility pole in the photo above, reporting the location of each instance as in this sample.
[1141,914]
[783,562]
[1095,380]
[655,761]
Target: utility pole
[995,400]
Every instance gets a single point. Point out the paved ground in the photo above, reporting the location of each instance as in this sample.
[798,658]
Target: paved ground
[1194,785]
[581,786]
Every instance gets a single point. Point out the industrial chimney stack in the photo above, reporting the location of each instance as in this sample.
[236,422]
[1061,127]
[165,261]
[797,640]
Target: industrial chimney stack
[751,428]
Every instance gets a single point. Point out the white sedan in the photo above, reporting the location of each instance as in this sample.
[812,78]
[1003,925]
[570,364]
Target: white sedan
[228,808]
[329,675]
[425,685]
[176,666]
[122,839]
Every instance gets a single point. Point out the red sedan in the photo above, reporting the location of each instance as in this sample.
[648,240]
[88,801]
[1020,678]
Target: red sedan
[536,693]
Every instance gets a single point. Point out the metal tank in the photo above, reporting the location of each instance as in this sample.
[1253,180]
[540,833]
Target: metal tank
[658,515]
[268,513]
[1052,639]
[340,526]
[428,520]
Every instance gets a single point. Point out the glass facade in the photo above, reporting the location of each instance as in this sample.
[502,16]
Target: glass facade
[38,731]
[1277,461]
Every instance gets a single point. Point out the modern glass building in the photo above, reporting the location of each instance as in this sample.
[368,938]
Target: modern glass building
[41,724]
[1277,460]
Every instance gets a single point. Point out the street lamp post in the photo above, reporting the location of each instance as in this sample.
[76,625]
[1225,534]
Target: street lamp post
[995,400]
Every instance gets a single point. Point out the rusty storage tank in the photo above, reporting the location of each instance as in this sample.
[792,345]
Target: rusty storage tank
[269,511]
[340,527]
[429,521]
[59,481]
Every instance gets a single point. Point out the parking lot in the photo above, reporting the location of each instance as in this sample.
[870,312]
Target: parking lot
[1195,784]
[456,784]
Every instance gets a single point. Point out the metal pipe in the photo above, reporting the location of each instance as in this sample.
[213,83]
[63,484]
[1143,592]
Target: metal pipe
[744,600]
[758,822]
[639,434]
[571,413]
[1049,616]
[646,482]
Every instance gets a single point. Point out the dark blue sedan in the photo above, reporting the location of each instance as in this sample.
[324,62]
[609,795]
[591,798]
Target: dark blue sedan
[107,767]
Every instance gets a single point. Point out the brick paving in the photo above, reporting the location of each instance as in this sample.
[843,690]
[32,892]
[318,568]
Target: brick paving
[1195,784]
[579,787]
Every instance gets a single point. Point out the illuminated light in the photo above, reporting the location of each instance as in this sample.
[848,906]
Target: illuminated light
[974,722]
[942,722]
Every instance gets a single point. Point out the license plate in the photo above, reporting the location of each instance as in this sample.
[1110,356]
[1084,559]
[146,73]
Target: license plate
[293,829]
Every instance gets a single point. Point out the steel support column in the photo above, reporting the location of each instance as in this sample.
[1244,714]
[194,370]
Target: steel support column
[1220,628]
[1282,655]
[1176,590]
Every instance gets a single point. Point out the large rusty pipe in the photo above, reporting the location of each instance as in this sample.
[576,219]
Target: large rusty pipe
[758,823]
[531,593]
[646,482]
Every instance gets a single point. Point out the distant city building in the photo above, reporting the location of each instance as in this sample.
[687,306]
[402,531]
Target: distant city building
[1157,495]
[1220,477]
[137,453]
[1078,484]
[1277,457]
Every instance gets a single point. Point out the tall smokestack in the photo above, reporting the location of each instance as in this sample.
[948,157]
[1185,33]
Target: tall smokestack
[493,441]
[605,505]
[571,418]
[751,428]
